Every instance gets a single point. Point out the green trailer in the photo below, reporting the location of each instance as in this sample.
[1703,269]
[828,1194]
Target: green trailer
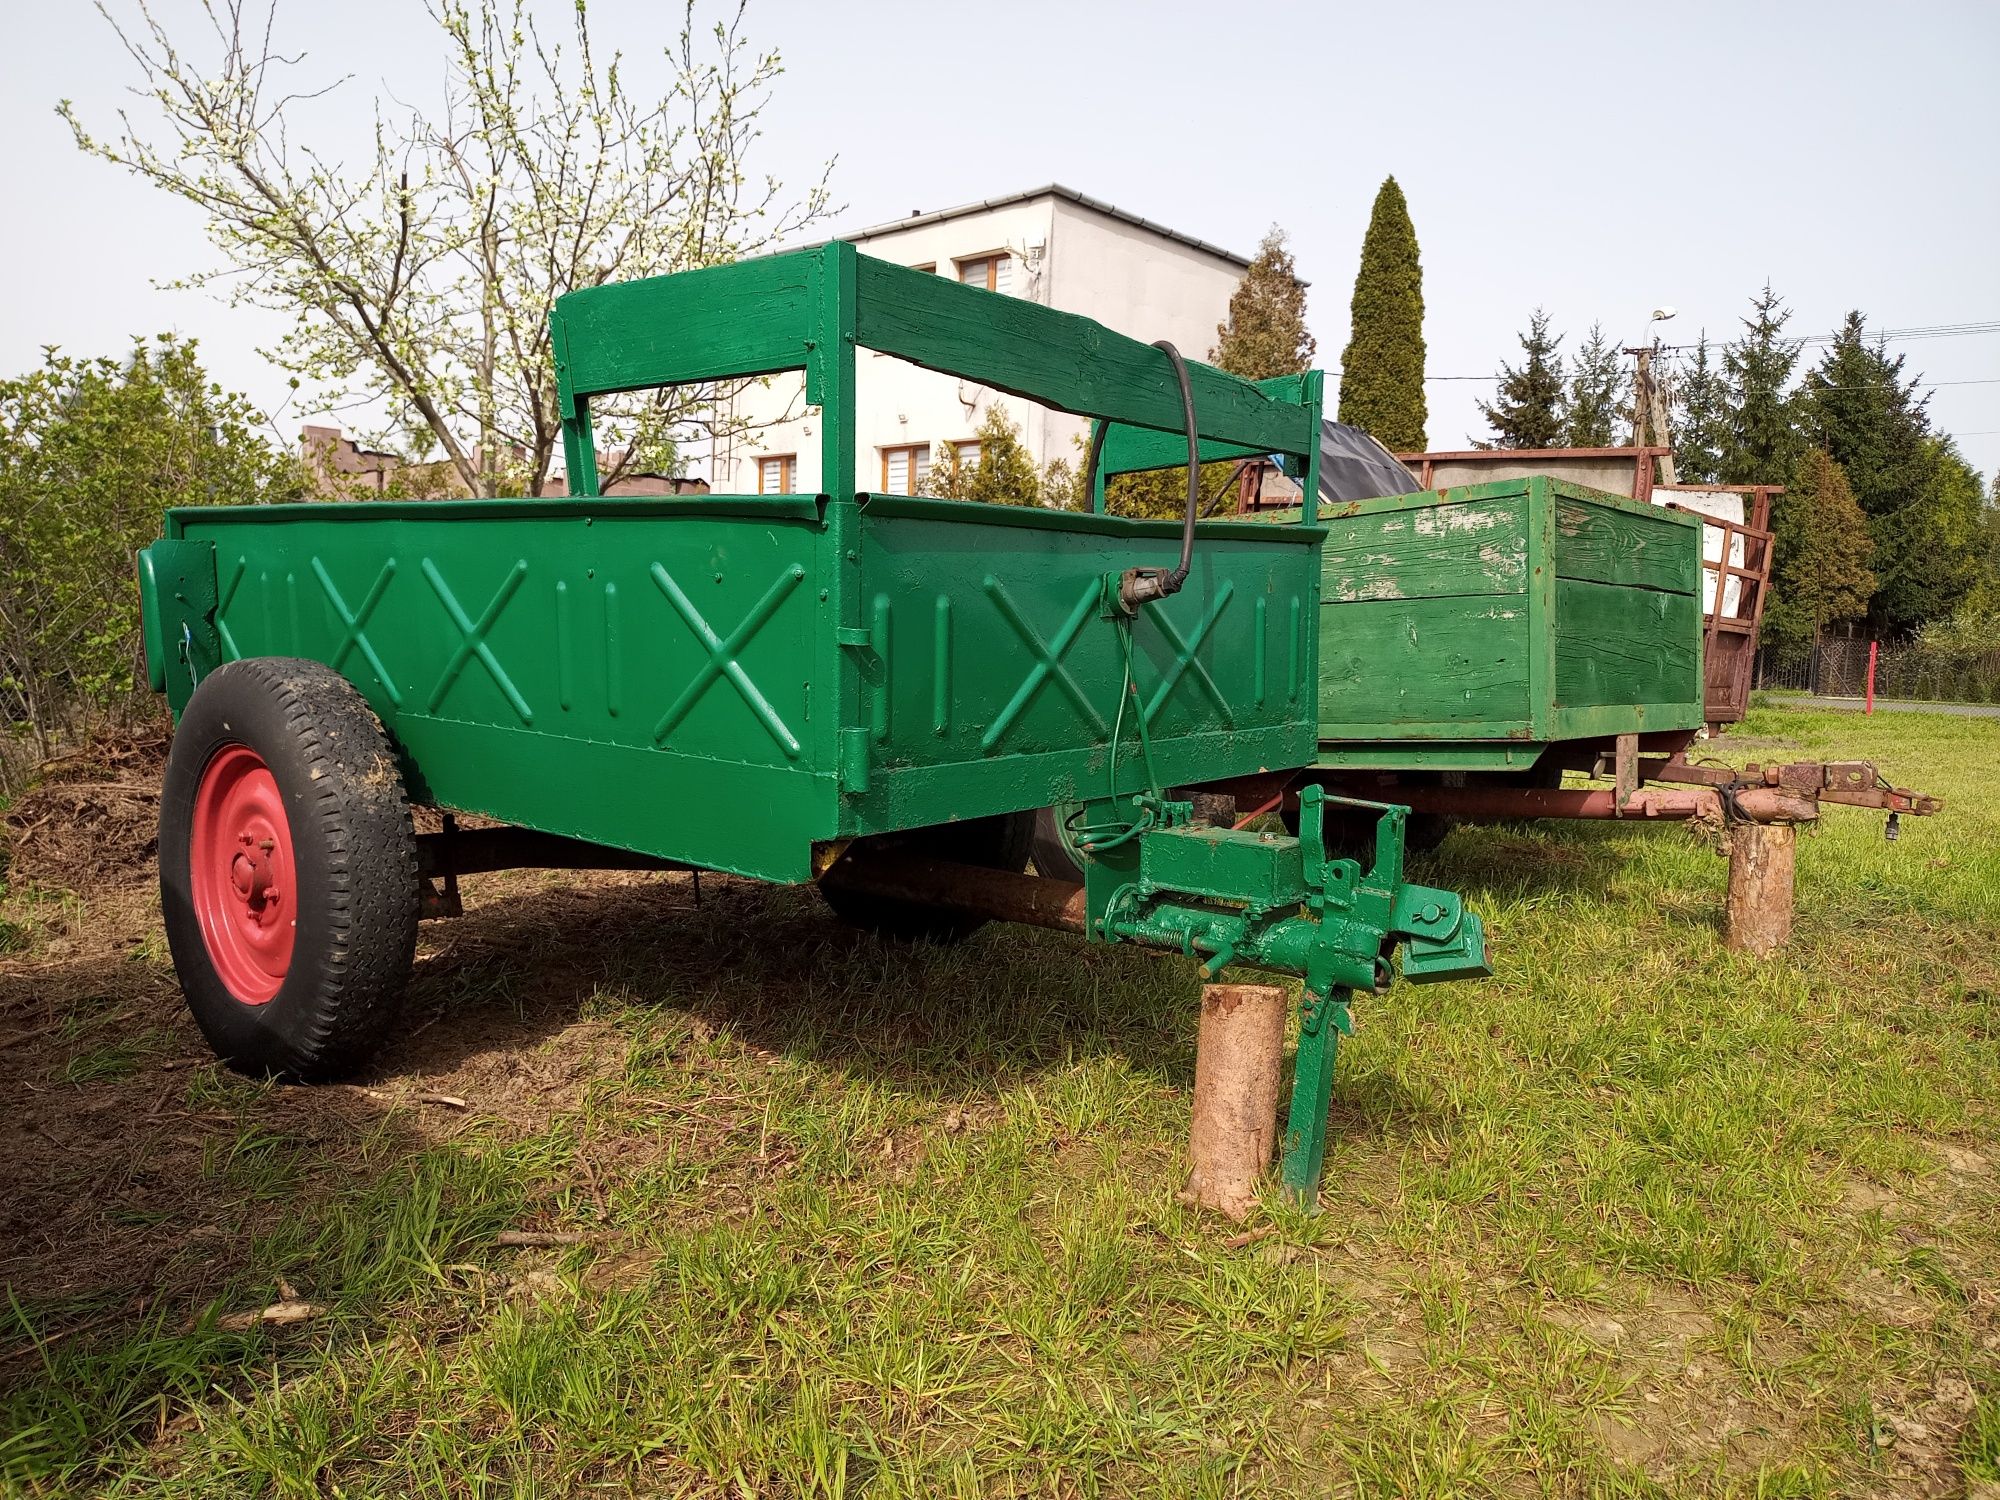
[1480,628]
[874,692]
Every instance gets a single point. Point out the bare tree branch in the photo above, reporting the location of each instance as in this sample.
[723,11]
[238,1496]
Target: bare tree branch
[424,279]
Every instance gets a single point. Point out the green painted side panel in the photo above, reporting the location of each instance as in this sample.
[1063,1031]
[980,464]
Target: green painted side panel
[177,616]
[1527,610]
[1424,668]
[1626,544]
[632,797]
[1602,721]
[1626,646]
[728,682]
[1429,755]
[750,318]
[995,672]
[1129,449]
[1061,360]
[1426,552]
[509,656]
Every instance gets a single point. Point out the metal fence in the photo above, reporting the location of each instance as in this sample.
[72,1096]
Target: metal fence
[1903,669]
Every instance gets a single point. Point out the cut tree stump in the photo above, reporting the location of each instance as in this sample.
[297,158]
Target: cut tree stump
[1757,918]
[1239,1057]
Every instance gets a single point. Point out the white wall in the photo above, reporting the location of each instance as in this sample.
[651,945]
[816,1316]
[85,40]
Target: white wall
[1128,278]
[1134,282]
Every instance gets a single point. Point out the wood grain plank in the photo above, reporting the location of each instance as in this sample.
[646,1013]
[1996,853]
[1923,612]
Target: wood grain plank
[1473,549]
[1605,544]
[750,318]
[1458,662]
[1619,645]
[1060,360]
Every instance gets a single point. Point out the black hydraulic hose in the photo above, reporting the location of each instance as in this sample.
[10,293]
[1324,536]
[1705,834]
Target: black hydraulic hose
[1138,585]
[1171,584]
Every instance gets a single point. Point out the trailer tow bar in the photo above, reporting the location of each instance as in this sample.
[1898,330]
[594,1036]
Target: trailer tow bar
[1229,896]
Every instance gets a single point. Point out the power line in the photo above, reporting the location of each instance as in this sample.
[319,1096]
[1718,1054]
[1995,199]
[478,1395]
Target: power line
[1900,335]
[1868,386]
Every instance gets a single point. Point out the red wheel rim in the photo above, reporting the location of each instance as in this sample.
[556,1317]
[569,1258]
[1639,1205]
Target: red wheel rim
[245,886]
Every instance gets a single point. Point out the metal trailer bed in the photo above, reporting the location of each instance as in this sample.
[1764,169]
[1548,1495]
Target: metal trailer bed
[867,690]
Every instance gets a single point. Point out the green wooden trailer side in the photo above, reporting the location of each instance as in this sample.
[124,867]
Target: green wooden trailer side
[1474,628]
[731,680]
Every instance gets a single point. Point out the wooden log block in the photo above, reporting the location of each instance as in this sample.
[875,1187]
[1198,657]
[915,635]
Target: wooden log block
[1239,1056]
[1757,918]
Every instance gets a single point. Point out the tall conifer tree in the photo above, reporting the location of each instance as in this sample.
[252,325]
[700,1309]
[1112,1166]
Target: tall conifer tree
[1921,499]
[1266,333]
[1527,408]
[1763,442]
[1593,407]
[1382,368]
[1701,431]
[1821,549]
[1856,404]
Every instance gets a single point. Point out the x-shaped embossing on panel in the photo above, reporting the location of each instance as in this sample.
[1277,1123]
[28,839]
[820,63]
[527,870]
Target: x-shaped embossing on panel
[355,623]
[1184,657]
[1048,660]
[472,641]
[722,656]
[230,652]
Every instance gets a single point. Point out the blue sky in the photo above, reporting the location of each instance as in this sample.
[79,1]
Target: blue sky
[1596,160]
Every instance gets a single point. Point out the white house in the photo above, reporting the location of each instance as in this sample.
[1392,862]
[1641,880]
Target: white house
[1052,245]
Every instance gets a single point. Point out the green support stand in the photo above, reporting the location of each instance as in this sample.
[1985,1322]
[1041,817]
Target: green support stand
[1321,1023]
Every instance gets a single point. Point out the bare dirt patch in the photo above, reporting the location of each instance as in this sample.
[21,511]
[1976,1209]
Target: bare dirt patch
[125,1141]
[93,817]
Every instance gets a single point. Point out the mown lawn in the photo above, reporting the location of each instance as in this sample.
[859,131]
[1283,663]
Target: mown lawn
[1633,1217]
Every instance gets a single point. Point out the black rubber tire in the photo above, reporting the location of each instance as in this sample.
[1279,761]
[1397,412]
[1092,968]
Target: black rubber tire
[1001,842]
[1052,856]
[355,865]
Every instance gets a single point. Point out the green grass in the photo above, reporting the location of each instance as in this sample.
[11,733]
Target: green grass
[1636,1216]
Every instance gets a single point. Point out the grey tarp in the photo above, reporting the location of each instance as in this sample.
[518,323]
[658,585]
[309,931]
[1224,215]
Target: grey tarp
[1353,466]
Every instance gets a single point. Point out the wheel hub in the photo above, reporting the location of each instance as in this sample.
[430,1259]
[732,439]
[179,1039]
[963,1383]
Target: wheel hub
[242,874]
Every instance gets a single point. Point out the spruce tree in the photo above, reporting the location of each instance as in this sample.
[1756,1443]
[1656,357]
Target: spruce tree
[1382,368]
[1701,432]
[1980,608]
[1266,333]
[1856,404]
[1763,442]
[1922,500]
[1928,549]
[1593,407]
[1527,408]
[1821,549]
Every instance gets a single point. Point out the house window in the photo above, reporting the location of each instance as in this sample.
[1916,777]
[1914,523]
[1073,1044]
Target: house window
[778,474]
[994,272]
[929,268]
[967,453]
[905,469]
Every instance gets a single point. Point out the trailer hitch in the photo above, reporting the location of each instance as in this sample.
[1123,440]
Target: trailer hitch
[1227,895]
[1230,896]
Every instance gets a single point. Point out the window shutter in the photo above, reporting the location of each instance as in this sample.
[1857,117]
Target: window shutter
[1003,266]
[923,468]
[896,471]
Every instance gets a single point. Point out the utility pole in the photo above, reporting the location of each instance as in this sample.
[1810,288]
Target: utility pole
[1649,405]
